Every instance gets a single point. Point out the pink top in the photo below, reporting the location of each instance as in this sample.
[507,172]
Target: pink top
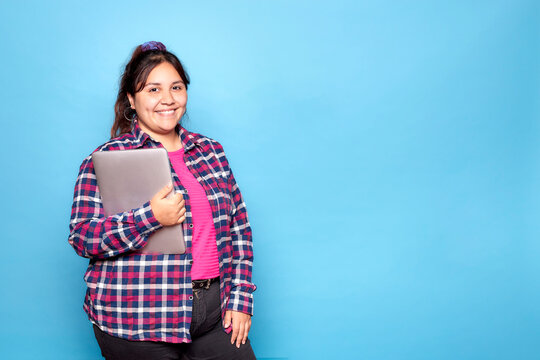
[204,248]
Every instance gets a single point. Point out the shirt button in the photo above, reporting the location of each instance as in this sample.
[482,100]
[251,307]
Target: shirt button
[190,226]
[190,262]
[191,298]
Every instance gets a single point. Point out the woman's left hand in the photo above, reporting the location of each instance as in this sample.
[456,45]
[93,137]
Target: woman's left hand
[241,323]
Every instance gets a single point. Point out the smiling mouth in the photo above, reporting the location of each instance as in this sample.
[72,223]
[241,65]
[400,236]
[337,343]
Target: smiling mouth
[166,112]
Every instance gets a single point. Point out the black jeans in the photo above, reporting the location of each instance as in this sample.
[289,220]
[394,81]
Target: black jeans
[209,341]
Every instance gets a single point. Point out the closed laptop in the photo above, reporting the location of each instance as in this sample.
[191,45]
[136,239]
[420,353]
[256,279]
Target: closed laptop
[129,178]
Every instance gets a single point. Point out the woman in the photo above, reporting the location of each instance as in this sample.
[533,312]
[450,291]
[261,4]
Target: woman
[158,306]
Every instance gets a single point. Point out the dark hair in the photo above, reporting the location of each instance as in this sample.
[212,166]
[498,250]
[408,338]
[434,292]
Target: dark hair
[134,79]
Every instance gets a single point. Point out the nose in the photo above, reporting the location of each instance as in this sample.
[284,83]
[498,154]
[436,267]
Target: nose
[167,97]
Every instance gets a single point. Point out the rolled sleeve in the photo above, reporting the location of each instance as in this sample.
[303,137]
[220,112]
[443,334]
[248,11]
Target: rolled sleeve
[241,299]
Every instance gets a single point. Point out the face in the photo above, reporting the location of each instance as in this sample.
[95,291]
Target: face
[162,101]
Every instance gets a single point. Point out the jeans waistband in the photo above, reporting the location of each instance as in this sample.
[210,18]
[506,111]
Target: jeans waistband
[200,284]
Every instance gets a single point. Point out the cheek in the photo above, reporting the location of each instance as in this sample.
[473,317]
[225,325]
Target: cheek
[182,99]
[145,103]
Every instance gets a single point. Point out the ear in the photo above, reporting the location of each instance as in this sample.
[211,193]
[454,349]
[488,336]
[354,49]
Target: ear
[131,101]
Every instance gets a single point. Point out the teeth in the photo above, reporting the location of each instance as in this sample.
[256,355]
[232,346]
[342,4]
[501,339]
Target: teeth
[166,112]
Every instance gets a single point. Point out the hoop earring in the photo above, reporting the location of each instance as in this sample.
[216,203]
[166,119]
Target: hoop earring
[125,116]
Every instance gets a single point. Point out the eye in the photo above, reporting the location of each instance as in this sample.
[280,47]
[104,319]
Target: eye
[177,87]
[153,89]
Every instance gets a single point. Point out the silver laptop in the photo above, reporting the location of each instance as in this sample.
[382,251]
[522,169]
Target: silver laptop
[129,178]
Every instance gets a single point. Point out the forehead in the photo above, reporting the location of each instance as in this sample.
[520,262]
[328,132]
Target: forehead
[163,73]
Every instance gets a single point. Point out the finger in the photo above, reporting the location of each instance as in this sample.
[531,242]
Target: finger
[175,203]
[179,212]
[234,334]
[181,220]
[246,331]
[227,320]
[245,334]
[162,194]
[240,336]
[181,195]
[236,326]
[177,198]
[180,206]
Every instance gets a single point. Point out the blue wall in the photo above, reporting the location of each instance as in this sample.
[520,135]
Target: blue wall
[388,153]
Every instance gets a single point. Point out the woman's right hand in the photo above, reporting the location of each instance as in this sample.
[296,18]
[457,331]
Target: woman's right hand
[168,211]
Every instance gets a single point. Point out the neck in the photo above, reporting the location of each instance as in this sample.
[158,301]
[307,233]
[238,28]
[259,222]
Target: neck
[170,141]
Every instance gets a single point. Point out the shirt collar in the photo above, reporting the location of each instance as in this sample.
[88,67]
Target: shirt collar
[189,141]
[187,138]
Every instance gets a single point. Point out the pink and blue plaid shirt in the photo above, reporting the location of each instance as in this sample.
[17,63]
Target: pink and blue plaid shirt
[149,296]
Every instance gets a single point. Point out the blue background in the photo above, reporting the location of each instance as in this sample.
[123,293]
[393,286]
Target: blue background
[387,151]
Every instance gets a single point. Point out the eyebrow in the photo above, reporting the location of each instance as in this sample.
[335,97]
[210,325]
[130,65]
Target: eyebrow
[176,82]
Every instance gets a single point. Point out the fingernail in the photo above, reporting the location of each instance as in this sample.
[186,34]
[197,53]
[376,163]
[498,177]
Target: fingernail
[238,346]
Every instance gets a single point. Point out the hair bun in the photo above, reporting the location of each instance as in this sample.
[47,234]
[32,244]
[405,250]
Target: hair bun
[153,45]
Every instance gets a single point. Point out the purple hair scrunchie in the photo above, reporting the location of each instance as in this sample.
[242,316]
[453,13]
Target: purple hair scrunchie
[153,45]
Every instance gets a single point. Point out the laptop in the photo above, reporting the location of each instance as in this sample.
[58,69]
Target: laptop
[129,178]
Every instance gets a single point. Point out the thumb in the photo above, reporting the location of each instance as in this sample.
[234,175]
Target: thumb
[164,191]
[227,320]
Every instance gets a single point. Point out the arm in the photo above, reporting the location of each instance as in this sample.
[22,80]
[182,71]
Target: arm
[240,304]
[241,297]
[95,236]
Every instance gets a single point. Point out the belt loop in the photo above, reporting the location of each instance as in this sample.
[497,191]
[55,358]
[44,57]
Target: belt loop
[208,281]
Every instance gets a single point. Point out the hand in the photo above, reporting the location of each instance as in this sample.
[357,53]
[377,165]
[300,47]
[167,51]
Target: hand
[241,323]
[168,210]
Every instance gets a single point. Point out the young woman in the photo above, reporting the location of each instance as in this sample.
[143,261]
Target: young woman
[162,306]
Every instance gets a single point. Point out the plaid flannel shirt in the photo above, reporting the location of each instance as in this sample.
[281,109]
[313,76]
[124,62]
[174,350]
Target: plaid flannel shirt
[149,296]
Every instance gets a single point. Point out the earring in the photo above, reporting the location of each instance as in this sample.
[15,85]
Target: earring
[125,116]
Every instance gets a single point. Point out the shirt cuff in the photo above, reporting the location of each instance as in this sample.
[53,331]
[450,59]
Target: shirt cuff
[241,301]
[145,221]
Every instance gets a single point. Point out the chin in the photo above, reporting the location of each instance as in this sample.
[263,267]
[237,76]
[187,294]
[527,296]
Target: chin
[166,124]
[171,127]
